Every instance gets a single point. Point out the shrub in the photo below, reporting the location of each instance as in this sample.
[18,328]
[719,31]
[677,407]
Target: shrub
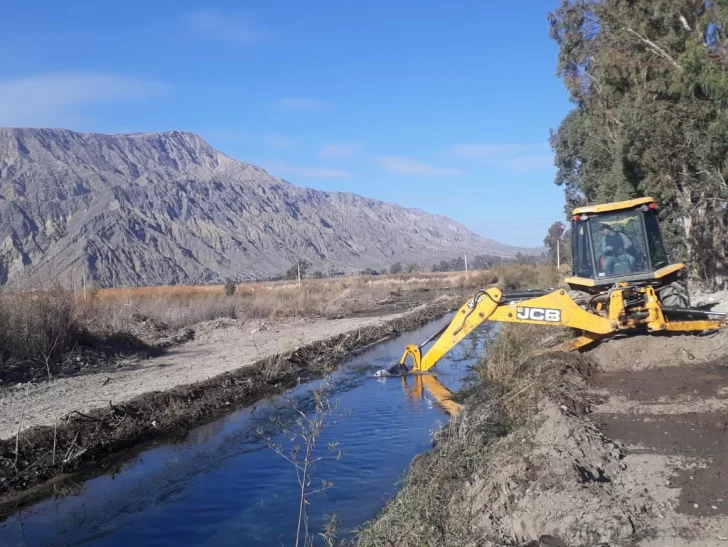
[230,287]
[37,326]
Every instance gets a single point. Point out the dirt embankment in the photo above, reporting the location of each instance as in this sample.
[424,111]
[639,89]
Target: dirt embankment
[95,416]
[623,445]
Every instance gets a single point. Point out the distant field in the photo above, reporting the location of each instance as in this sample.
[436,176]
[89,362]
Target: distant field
[39,325]
[184,305]
[414,281]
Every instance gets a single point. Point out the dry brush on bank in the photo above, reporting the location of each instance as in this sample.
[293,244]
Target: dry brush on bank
[40,327]
[182,306]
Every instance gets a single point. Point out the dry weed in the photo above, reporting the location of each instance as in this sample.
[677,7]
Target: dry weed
[512,364]
[115,310]
[36,326]
[513,277]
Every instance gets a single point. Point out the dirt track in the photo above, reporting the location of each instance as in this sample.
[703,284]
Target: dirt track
[669,407]
[219,346]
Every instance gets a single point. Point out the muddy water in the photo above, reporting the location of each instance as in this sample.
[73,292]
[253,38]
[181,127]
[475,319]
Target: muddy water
[224,486]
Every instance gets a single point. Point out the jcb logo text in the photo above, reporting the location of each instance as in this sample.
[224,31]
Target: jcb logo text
[539,314]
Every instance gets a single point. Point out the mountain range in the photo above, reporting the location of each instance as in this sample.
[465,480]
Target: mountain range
[167,208]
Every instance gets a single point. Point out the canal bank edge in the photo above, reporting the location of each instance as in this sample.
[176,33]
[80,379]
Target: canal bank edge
[522,465]
[88,441]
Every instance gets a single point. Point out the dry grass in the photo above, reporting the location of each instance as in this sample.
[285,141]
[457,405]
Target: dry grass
[414,281]
[42,324]
[182,306]
[513,277]
[113,310]
[36,327]
[512,364]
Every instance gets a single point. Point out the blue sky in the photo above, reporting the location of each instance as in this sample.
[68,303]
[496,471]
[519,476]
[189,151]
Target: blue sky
[445,106]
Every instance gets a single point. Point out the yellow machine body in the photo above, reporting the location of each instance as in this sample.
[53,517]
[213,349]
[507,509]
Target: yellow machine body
[641,299]
[555,308]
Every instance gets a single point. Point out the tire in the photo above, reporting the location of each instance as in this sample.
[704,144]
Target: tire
[675,294]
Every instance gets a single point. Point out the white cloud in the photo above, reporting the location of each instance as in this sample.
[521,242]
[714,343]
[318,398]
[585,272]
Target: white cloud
[306,172]
[407,166]
[339,151]
[511,156]
[228,27]
[300,104]
[59,99]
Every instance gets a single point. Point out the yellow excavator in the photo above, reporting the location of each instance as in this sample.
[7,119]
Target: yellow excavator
[622,282]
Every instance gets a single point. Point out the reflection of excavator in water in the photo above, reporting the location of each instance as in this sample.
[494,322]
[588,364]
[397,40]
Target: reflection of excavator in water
[422,382]
[622,282]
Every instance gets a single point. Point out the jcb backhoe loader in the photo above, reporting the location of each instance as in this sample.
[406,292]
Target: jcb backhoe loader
[622,282]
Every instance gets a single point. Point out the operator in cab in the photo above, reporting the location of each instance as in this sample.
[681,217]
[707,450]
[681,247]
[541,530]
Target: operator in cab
[617,249]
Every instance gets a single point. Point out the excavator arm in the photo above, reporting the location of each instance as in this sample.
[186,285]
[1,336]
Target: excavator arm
[624,307]
[531,307]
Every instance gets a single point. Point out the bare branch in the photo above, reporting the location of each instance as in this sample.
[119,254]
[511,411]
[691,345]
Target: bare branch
[657,49]
[685,23]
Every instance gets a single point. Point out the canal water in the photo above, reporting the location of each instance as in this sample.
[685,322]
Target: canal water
[224,485]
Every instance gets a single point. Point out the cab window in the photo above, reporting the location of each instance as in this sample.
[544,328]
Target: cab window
[654,241]
[582,258]
[619,244]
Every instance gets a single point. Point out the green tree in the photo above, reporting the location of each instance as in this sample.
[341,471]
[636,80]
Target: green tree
[396,268]
[292,272]
[649,82]
[230,287]
[558,237]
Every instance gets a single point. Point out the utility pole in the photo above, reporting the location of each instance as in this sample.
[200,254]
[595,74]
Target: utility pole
[84,282]
[558,254]
[466,267]
[299,273]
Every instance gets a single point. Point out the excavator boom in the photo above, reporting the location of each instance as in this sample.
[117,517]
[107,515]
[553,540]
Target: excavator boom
[625,307]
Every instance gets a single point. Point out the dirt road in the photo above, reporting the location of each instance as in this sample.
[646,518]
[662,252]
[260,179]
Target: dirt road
[219,346]
[666,400]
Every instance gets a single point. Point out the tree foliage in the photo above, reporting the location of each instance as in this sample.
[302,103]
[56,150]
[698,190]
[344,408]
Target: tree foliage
[292,272]
[649,82]
[396,268]
[230,287]
[558,238]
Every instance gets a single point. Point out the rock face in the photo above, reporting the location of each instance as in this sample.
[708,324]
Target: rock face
[166,208]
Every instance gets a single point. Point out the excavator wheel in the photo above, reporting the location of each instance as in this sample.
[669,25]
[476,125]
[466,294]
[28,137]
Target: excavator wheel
[675,294]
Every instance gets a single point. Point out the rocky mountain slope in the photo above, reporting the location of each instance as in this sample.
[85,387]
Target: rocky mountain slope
[165,208]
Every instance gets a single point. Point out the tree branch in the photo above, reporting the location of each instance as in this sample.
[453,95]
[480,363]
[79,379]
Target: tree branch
[657,49]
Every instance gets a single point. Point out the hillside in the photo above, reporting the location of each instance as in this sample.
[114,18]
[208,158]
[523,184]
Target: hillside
[165,208]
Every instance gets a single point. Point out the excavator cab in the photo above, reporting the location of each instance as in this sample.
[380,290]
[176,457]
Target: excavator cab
[620,243]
